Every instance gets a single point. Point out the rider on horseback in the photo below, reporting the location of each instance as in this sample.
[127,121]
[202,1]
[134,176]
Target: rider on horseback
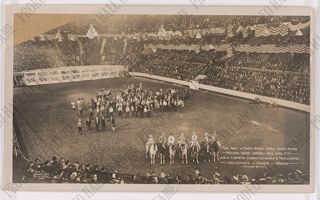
[181,140]
[194,140]
[206,138]
[214,136]
[162,139]
[171,140]
[150,140]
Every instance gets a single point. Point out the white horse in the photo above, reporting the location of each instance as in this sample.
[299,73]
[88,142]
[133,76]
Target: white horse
[148,144]
[184,153]
[153,151]
[172,153]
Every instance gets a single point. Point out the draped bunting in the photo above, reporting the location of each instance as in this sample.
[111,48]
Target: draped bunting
[267,48]
[229,31]
[260,30]
[271,48]
[73,37]
[47,37]
[295,27]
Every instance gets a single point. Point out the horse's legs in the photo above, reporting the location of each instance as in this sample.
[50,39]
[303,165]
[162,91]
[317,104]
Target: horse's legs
[153,159]
[197,157]
[186,156]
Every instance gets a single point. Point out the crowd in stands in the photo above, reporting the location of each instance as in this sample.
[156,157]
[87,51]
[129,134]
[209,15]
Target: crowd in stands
[61,170]
[279,61]
[263,74]
[279,75]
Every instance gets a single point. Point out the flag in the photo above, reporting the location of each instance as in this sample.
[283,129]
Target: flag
[92,33]
[58,36]
[162,32]
[49,37]
[42,37]
[299,33]
[198,36]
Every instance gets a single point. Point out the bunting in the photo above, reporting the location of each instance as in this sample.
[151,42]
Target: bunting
[267,48]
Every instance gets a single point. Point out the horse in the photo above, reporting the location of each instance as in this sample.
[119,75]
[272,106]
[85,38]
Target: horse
[195,153]
[161,152]
[184,153]
[172,153]
[216,146]
[148,145]
[205,151]
[152,152]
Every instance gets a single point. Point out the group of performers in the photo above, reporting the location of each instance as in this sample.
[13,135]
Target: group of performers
[182,139]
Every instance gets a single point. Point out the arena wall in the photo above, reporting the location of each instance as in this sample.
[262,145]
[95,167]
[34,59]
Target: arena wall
[196,85]
[70,74]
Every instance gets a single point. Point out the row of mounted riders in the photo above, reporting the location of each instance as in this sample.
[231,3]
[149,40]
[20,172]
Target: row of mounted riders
[182,151]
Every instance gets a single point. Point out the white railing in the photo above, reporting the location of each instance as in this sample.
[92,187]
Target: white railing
[196,85]
[70,74]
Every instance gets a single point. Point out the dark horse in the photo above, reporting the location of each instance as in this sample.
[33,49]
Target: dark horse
[194,149]
[161,152]
[205,151]
[215,147]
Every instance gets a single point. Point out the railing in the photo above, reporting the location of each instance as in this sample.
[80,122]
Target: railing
[196,85]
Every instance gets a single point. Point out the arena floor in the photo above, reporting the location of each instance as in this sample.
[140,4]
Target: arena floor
[48,127]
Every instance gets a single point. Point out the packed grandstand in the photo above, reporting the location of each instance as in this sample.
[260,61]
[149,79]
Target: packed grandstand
[268,56]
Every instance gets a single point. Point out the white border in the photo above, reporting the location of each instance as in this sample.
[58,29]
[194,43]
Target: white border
[204,196]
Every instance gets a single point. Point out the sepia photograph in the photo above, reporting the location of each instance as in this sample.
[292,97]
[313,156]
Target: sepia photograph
[182,99]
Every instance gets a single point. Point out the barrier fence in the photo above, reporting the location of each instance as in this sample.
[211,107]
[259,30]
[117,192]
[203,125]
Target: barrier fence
[196,85]
[70,74]
[81,73]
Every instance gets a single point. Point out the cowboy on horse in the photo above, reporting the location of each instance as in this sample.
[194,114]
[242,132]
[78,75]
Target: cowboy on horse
[216,146]
[171,140]
[194,140]
[181,140]
[162,139]
[207,138]
[148,144]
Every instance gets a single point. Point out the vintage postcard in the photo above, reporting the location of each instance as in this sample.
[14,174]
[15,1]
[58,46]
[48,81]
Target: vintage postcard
[140,98]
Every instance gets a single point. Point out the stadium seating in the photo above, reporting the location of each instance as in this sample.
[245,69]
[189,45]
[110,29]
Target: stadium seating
[235,66]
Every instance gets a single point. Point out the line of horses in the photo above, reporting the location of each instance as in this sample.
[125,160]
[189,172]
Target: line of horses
[204,152]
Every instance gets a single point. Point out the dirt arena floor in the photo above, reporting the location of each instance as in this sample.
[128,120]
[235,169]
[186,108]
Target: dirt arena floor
[47,126]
